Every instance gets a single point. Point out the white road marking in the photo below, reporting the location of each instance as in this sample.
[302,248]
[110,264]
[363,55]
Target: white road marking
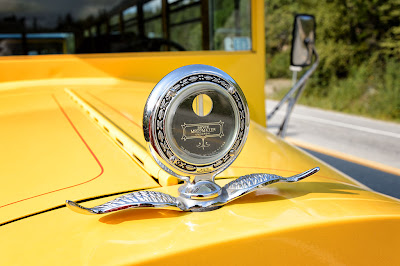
[340,124]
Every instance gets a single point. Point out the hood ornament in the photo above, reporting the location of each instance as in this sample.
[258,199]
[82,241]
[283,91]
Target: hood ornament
[195,122]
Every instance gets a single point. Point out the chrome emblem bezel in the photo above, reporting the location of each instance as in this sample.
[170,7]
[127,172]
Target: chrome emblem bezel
[157,112]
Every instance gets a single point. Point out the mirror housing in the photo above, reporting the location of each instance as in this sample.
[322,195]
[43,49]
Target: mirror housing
[303,40]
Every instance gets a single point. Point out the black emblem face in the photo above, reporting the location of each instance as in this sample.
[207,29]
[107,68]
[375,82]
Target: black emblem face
[201,138]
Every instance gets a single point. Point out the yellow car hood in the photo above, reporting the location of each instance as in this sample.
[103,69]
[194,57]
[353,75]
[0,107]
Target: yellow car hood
[318,221]
[52,151]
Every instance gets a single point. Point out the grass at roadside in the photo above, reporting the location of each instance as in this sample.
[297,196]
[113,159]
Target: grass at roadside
[366,93]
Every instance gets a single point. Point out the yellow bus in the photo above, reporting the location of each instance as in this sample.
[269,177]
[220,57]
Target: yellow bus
[74,127]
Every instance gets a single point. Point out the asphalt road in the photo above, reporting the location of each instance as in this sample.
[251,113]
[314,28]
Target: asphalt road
[358,137]
[365,138]
[377,180]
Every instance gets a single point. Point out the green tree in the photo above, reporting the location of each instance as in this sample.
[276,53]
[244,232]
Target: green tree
[359,46]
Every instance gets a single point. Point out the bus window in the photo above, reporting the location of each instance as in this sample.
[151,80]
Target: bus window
[35,27]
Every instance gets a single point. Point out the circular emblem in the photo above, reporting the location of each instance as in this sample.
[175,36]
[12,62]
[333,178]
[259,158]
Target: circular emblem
[196,121]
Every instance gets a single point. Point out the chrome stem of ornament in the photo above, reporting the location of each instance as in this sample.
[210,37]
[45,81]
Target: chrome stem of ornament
[195,122]
[152,199]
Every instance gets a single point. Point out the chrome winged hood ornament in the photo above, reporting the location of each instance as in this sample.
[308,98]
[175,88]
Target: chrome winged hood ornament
[145,199]
[195,122]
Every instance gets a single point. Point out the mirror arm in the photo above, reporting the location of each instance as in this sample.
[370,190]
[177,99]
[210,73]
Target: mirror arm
[298,85]
[291,102]
[299,88]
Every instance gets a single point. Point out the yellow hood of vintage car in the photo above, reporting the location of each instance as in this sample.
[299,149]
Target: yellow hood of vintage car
[318,221]
[52,150]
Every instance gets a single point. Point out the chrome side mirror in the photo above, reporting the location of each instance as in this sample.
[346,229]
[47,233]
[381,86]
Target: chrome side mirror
[303,40]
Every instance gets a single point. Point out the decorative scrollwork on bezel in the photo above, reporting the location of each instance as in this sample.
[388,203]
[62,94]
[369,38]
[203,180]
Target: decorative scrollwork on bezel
[160,131]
